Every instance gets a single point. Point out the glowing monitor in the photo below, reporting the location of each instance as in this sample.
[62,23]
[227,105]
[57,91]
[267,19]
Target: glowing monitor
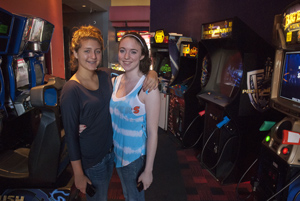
[285,91]
[290,81]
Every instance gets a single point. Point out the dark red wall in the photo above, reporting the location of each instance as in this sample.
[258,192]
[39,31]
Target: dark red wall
[186,16]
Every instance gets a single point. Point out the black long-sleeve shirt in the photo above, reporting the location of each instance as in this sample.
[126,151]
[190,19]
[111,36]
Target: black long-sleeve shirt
[91,108]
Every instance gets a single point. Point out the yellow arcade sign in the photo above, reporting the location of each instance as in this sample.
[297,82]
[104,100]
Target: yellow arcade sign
[159,36]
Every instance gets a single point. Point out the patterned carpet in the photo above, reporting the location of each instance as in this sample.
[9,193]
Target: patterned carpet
[178,172]
[201,185]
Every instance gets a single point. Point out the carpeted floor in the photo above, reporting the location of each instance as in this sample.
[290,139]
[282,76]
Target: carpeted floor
[178,176]
[201,185]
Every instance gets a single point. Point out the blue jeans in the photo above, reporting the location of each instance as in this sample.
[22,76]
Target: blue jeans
[100,176]
[129,175]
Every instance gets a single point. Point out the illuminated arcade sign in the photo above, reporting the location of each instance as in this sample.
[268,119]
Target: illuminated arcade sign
[292,19]
[216,30]
[120,33]
[188,51]
[291,24]
[159,36]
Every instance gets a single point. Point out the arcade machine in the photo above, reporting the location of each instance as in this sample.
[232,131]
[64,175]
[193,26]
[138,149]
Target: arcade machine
[235,98]
[165,57]
[31,37]
[6,25]
[278,175]
[39,172]
[161,64]
[22,70]
[38,168]
[184,120]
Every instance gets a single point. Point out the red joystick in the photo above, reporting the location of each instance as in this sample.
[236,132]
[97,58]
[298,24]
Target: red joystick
[202,113]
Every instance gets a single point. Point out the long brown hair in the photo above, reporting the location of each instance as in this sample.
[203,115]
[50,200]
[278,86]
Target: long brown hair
[146,61]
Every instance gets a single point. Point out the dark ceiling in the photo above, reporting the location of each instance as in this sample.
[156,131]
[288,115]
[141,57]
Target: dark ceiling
[75,6]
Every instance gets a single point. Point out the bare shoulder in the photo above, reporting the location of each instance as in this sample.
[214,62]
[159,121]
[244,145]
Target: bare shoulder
[151,97]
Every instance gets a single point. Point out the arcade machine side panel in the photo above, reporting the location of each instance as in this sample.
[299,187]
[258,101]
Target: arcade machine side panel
[6,27]
[164,108]
[176,115]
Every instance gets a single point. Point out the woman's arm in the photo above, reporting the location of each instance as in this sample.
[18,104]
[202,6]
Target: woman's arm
[79,177]
[151,81]
[152,104]
[70,110]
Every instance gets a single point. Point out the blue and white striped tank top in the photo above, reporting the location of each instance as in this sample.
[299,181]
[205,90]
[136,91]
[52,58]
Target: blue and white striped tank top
[128,116]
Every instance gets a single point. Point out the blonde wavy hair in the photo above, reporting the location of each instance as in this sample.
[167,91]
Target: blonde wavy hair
[83,33]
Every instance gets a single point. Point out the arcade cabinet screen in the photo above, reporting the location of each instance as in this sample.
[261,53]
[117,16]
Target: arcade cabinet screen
[290,81]
[5,24]
[38,30]
[231,75]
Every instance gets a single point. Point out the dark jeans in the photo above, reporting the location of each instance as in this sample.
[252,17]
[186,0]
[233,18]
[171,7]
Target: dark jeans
[100,176]
[129,175]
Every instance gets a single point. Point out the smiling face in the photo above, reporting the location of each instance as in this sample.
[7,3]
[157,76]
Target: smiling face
[130,53]
[89,54]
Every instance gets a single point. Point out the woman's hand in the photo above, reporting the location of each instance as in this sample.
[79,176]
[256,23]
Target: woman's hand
[151,81]
[146,178]
[81,182]
[81,128]
[79,177]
